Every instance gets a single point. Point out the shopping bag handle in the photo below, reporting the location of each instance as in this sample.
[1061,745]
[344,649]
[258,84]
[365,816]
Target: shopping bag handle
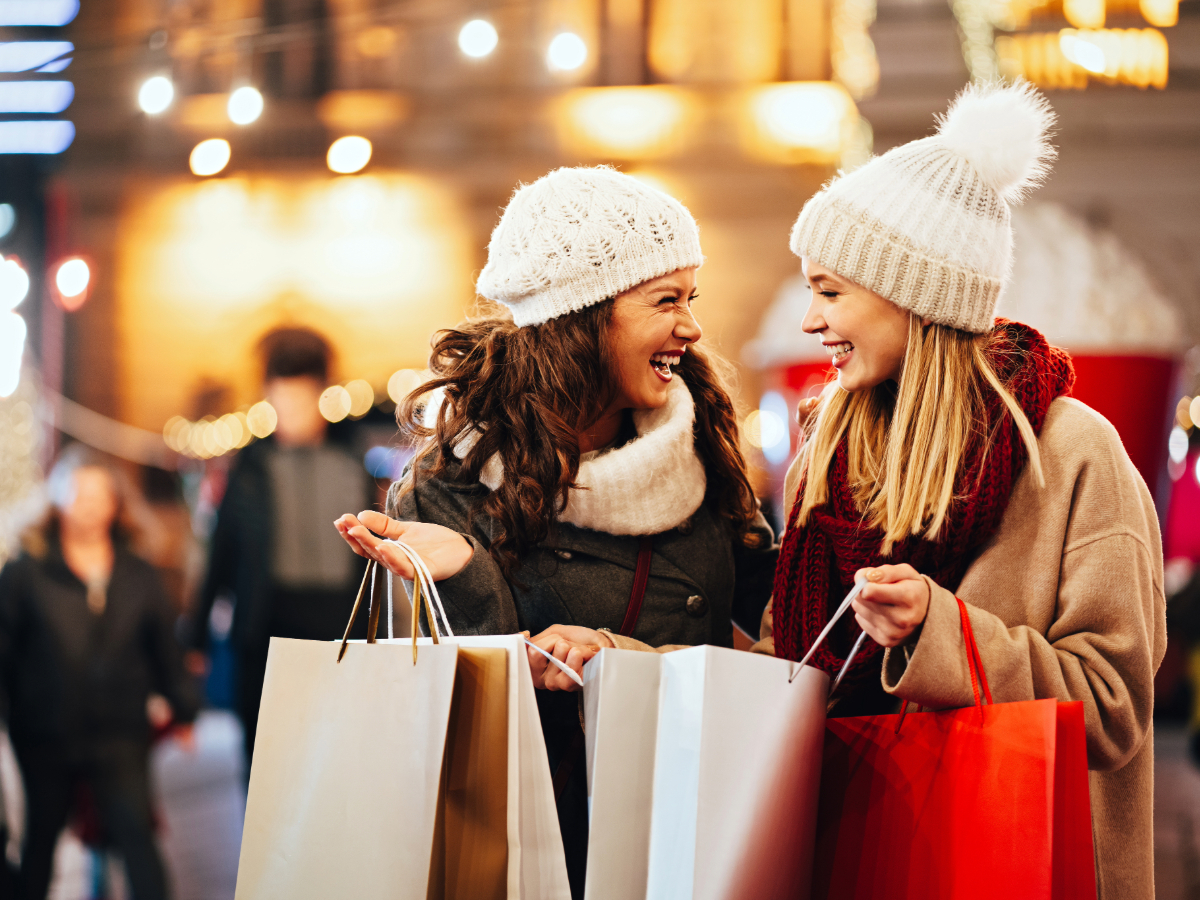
[423,588]
[974,667]
[841,611]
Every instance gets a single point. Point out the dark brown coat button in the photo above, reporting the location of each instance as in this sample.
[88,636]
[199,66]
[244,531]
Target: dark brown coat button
[696,605]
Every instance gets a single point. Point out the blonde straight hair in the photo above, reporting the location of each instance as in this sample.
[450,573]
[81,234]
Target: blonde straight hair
[907,442]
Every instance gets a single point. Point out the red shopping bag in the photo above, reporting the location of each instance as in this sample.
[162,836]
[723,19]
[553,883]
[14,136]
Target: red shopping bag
[980,803]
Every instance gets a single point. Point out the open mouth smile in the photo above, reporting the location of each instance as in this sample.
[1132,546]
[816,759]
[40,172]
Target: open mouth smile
[840,352]
[662,363]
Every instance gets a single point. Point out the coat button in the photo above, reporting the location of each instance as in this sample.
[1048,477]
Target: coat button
[563,554]
[684,527]
[696,605]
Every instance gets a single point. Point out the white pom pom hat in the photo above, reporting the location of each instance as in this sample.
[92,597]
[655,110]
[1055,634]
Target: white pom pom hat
[578,236]
[927,225]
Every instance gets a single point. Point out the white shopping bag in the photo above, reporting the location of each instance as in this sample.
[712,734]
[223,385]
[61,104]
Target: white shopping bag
[620,699]
[736,759]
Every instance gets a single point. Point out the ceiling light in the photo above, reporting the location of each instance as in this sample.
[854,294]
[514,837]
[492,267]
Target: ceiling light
[348,154]
[477,38]
[566,52]
[209,157]
[156,95]
[245,105]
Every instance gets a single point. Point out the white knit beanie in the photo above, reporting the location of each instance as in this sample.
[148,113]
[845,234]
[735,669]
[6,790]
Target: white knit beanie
[576,237]
[927,225]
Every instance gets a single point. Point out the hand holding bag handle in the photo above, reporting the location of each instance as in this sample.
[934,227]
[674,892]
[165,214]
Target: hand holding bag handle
[974,661]
[423,588]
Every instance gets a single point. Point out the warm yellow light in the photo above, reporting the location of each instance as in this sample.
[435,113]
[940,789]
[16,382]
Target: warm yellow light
[232,424]
[1194,410]
[246,434]
[245,105]
[334,403]
[763,428]
[799,121]
[402,383]
[1084,13]
[1082,52]
[625,122]
[176,432]
[1163,13]
[197,445]
[377,42]
[1183,412]
[209,157]
[262,419]
[362,397]
[348,154]
[566,52]
[222,435]
[1136,56]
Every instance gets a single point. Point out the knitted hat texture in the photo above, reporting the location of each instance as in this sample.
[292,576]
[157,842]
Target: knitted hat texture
[928,224]
[578,236]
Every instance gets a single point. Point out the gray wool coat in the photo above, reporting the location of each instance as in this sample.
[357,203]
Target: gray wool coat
[700,576]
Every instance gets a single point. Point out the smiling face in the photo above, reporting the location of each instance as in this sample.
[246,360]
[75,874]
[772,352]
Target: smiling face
[650,330]
[864,333]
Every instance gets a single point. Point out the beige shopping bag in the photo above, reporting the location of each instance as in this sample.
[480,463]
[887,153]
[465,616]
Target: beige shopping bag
[379,772]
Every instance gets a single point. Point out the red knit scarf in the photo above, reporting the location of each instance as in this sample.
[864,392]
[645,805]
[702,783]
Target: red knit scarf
[818,560]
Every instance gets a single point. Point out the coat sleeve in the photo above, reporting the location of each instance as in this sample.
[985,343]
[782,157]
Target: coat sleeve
[220,573]
[754,571]
[166,654]
[1106,633]
[12,591]
[478,599]
[1101,649]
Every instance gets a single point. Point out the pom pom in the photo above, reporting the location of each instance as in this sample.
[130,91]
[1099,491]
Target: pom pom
[1002,131]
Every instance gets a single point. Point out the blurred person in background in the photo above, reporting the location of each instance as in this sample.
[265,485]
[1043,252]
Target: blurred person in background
[272,549]
[86,634]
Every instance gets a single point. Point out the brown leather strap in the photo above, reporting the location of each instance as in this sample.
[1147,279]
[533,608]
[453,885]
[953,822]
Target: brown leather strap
[641,577]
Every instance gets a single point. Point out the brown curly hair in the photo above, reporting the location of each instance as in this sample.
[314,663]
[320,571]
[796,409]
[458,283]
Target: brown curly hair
[533,389]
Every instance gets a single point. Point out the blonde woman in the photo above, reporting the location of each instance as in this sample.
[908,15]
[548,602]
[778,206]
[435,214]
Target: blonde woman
[948,459]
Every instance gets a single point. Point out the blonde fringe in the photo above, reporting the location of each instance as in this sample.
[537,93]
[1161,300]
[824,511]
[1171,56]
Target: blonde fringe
[907,441]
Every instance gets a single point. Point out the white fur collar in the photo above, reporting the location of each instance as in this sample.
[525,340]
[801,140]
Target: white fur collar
[652,484]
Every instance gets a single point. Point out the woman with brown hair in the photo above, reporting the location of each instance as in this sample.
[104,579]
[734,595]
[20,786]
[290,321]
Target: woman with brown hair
[86,633]
[949,464]
[580,471]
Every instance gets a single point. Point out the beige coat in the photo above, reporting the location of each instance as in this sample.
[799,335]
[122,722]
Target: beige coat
[1066,601]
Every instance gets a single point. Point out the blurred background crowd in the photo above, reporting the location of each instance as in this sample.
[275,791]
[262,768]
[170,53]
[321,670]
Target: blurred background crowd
[228,229]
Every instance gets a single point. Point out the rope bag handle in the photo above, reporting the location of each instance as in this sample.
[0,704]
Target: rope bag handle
[424,589]
[979,683]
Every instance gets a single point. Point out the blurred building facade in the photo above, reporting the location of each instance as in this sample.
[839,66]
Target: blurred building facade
[741,109]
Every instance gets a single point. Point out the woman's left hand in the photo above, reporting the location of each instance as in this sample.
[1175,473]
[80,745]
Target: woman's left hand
[893,605]
[570,644]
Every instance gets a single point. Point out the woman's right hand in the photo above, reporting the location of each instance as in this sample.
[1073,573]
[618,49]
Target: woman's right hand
[444,552]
